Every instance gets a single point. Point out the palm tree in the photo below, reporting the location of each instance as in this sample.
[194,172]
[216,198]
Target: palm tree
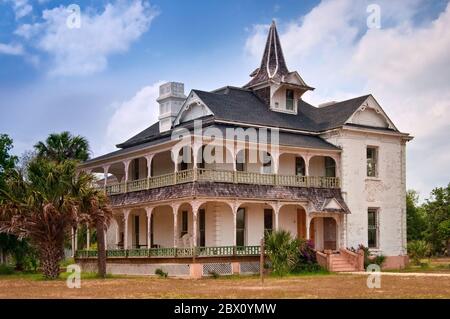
[41,208]
[44,207]
[95,211]
[282,250]
[63,146]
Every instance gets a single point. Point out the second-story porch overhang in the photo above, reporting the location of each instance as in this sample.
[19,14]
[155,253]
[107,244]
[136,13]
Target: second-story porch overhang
[298,164]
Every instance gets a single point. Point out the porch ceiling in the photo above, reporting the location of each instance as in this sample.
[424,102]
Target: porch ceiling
[317,197]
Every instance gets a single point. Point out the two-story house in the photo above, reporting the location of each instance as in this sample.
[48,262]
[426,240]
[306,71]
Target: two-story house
[195,192]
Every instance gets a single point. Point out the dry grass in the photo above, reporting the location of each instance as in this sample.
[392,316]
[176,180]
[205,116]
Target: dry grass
[319,286]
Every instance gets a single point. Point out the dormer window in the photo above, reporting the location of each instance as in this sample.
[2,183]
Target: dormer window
[289,100]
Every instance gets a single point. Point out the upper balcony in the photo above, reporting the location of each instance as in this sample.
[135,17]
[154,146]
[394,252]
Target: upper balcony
[284,167]
[221,176]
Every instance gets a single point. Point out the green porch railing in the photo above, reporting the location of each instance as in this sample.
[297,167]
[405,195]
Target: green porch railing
[222,176]
[174,252]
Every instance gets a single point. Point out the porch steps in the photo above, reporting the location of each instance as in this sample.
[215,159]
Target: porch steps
[341,261]
[340,264]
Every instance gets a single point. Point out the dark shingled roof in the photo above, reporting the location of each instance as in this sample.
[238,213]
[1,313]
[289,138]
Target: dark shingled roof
[316,196]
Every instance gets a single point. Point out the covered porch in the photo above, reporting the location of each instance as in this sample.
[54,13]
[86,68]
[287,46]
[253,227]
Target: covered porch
[214,228]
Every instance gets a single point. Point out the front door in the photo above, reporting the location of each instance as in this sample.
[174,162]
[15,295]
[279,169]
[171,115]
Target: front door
[301,223]
[329,233]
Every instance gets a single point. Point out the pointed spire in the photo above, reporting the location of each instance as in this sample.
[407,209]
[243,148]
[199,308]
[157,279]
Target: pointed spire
[273,66]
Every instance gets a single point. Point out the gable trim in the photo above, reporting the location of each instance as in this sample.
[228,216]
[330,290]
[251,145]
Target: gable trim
[193,98]
[378,109]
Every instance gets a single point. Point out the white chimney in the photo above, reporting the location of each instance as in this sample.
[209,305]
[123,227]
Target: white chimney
[327,103]
[171,98]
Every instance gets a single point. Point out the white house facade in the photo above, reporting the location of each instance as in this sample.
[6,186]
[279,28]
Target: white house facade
[195,192]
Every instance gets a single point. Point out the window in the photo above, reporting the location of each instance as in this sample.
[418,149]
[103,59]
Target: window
[372,161]
[300,166]
[240,227]
[184,223]
[330,167]
[183,164]
[202,228]
[240,161]
[136,231]
[268,220]
[267,163]
[372,219]
[290,100]
[136,169]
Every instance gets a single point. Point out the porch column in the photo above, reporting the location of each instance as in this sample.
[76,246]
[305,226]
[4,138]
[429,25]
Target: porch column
[88,237]
[126,165]
[126,213]
[235,207]
[306,158]
[149,159]
[308,225]
[105,174]
[175,224]
[149,211]
[277,213]
[276,161]
[195,208]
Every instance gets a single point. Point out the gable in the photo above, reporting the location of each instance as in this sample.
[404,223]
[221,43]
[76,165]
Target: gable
[331,204]
[371,114]
[193,108]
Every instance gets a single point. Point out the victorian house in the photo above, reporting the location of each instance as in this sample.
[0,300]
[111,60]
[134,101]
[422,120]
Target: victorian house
[333,174]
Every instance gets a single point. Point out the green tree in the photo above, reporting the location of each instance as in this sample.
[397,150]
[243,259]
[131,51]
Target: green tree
[7,161]
[416,224]
[437,212]
[62,147]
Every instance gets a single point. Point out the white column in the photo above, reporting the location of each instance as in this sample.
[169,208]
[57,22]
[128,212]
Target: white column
[306,159]
[149,211]
[235,208]
[126,213]
[308,221]
[126,165]
[105,174]
[88,237]
[277,213]
[175,224]
[276,160]
[195,207]
[149,159]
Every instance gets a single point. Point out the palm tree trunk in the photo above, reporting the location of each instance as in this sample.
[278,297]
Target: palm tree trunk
[50,255]
[101,251]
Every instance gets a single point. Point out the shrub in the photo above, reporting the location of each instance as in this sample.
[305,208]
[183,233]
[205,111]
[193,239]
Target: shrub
[282,250]
[161,273]
[214,274]
[307,254]
[417,250]
[379,260]
[6,270]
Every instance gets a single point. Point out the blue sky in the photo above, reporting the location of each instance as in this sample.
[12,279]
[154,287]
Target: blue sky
[101,80]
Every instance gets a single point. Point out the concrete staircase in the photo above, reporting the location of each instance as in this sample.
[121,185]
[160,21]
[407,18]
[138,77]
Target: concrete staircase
[341,261]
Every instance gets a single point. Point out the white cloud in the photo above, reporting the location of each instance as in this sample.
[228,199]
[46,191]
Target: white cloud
[405,65]
[11,49]
[21,8]
[132,116]
[86,50]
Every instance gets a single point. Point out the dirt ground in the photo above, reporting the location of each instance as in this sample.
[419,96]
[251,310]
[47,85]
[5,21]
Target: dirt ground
[318,286]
